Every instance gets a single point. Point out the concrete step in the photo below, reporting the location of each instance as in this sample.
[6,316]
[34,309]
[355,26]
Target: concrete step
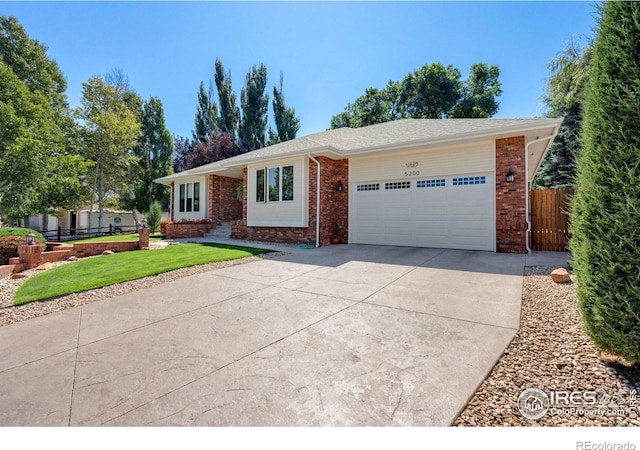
[222,231]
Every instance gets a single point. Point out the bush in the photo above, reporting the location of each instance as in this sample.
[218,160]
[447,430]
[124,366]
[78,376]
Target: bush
[154,216]
[606,207]
[21,232]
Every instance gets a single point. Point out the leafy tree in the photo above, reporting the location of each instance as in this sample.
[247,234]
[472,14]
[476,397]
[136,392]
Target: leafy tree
[287,124]
[221,146]
[606,207]
[229,113]
[433,91]
[182,149]
[254,104]
[109,132]
[564,97]
[206,121]
[39,167]
[155,157]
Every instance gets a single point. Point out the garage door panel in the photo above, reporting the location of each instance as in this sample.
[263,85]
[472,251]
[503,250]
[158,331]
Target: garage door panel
[448,216]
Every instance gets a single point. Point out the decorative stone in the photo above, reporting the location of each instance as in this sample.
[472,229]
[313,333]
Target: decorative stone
[45,266]
[560,276]
[107,252]
[18,276]
[72,258]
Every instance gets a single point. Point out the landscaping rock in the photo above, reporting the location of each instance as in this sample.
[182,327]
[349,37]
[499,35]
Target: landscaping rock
[560,276]
[72,258]
[18,276]
[107,252]
[45,266]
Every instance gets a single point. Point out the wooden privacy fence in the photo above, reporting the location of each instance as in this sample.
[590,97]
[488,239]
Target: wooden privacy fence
[549,210]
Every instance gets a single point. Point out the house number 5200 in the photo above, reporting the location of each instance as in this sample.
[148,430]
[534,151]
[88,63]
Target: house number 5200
[412,173]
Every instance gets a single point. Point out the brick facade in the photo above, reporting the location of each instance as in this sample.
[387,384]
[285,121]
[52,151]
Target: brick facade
[187,230]
[224,205]
[511,198]
[333,204]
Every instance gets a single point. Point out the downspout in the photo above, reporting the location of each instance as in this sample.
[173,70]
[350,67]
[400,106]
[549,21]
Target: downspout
[317,200]
[526,179]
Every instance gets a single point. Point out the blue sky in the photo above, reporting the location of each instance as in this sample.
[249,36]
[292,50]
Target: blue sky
[329,52]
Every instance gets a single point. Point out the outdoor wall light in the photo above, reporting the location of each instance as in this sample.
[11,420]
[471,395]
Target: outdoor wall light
[511,177]
[30,238]
[339,187]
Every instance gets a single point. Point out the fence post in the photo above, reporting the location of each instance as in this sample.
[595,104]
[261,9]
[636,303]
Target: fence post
[110,229]
[59,234]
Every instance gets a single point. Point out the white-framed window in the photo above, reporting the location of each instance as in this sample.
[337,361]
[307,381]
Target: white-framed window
[189,197]
[274,184]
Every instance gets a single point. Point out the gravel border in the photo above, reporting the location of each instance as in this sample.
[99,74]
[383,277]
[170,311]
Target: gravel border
[552,352]
[12,314]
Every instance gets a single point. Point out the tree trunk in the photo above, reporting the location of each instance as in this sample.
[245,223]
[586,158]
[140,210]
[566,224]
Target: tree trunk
[101,200]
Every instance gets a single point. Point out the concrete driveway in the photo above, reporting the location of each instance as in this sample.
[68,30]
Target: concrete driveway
[341,335]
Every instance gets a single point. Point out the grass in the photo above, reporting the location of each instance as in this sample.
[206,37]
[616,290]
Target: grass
[116,238]
[92,273]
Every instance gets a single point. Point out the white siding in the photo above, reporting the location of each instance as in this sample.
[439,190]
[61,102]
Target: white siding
[204,199]
[430,163]
[283,213]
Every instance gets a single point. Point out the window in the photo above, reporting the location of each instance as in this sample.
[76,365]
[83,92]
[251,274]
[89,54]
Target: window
[368,187]
[260,186]
[189,197]
[431,183]
[398,185]
[278,185]
[464,181]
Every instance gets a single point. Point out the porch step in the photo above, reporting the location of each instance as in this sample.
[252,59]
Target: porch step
[222,231]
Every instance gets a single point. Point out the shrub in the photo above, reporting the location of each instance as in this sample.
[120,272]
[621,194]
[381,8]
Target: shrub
[21,232]
[606,207]
[154,216]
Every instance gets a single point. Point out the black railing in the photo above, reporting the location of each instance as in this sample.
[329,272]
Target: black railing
[68,234]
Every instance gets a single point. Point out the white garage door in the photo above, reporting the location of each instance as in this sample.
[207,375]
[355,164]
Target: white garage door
[444,212]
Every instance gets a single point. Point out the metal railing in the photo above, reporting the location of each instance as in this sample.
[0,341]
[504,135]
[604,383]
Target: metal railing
[68,234]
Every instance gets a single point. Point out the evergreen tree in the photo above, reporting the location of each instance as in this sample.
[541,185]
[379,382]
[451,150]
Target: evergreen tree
[254,104]
[206,121]
[564,97]
[229,113]
[606,207]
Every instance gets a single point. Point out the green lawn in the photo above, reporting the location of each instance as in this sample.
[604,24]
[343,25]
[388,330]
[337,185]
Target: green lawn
[92,273]
[116,238]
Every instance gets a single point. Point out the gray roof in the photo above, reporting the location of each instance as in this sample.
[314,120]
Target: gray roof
[400,133]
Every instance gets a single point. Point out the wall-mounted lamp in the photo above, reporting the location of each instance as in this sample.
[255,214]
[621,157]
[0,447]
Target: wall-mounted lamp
[339,186]
[511,177]
[30,238]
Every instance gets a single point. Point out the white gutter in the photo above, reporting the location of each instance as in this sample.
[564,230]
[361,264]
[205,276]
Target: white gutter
[527,181]
[317,200]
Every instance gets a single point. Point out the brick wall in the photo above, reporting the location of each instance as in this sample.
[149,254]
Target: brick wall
[334,207]
[224,205]
[187,230]
[511,214]
[84,249]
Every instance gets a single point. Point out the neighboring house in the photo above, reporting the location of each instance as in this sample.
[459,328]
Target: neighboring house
[70,221]
[447,183]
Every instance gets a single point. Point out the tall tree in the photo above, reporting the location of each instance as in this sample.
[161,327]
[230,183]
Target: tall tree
[155,157]
[206,121]
[433,91]
[564,97]
[605,210]
[39,167]
[254,102]
[479,92]
[109,133]
[287,124]
[229,113]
